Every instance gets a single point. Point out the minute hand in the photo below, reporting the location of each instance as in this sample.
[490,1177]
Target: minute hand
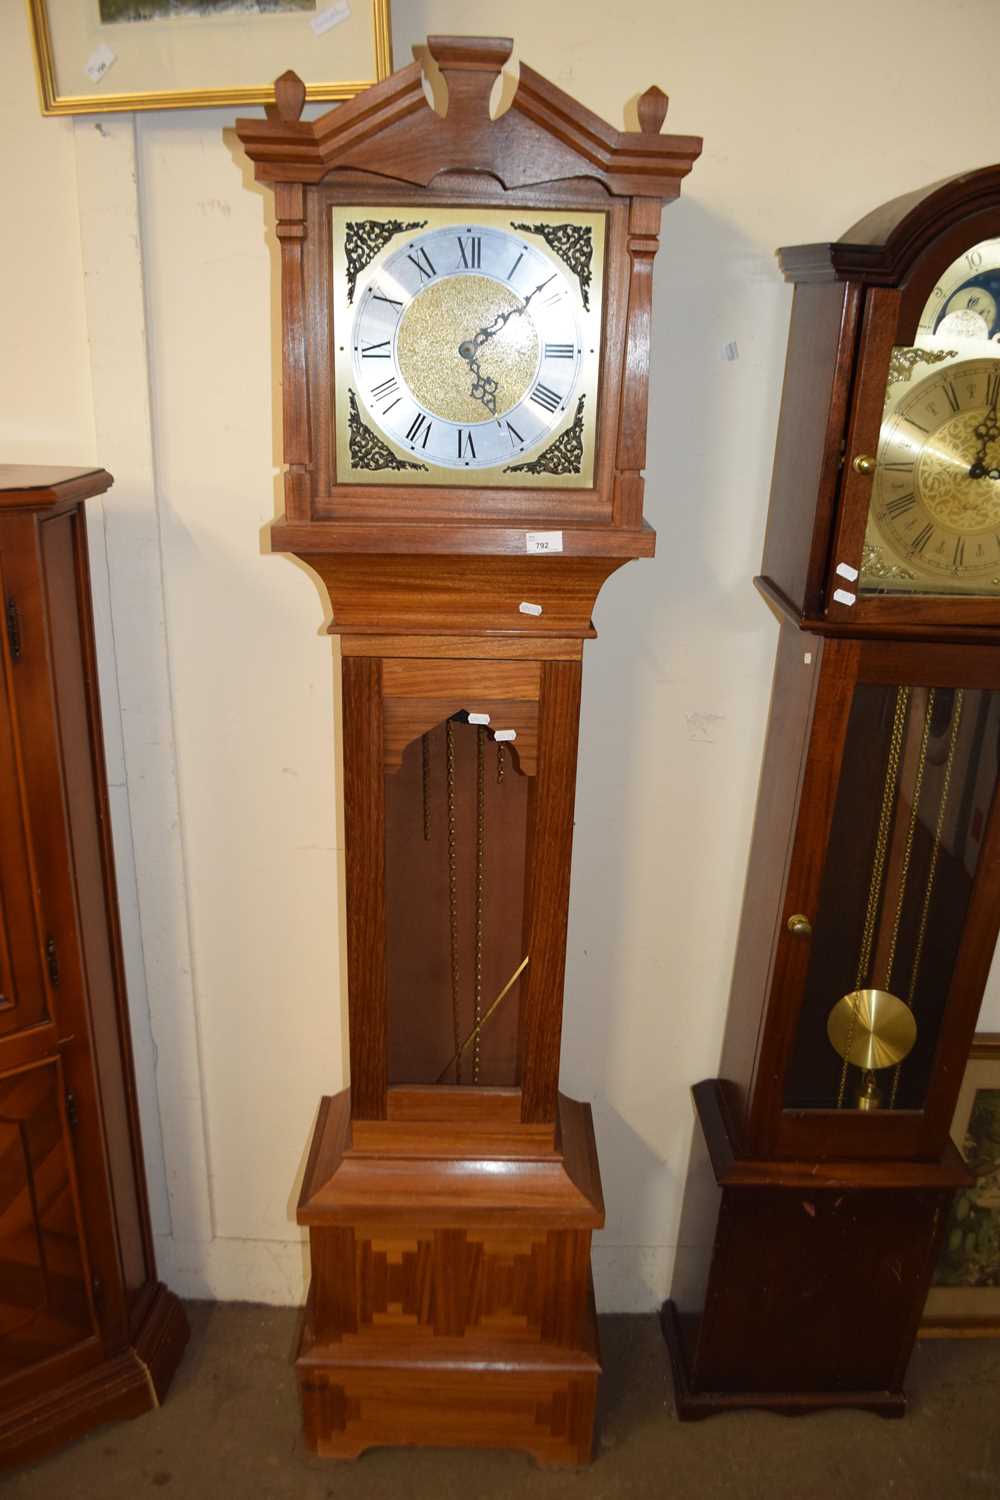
[470,348]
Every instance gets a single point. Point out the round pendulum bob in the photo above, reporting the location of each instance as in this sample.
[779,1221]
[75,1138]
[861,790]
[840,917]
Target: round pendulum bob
[871,1029]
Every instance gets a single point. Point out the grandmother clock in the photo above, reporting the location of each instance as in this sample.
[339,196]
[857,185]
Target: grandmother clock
[466,307]
[823,1166]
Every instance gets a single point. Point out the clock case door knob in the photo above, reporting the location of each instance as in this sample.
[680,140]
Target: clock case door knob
[799,925]
[864,464]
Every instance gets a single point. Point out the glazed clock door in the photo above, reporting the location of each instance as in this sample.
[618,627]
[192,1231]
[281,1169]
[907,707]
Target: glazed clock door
[889,933]
[919,531]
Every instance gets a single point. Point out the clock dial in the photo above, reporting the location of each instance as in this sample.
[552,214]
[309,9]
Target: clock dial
[934,524]
[936,493]
[965,301]
[473,349]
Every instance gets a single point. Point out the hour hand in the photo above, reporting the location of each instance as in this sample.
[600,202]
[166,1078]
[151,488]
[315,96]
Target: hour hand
[484,387]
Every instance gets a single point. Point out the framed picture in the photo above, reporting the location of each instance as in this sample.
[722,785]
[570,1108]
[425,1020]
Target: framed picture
[98,56]
[964,1300]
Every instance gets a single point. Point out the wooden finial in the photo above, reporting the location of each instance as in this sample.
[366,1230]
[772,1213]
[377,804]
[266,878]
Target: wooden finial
[289,97]
[470,66]
[652,110]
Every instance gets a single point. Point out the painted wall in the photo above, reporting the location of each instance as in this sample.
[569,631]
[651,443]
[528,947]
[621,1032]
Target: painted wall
[138,276]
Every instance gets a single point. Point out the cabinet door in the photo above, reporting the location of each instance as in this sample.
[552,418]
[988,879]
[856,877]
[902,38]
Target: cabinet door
[45,1300]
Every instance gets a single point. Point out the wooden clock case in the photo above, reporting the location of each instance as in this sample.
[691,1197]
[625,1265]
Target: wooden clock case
[88,1334]
[825,1223]
[450,1226]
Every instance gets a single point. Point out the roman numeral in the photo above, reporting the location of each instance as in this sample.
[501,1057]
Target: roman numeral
[378,296]
[991,387]
[465,444]
[899,506]
[544,397]
[423,263]
[958,561]
[916,425]
[922,538]
[472,257]
[515,436]
[901,467]
[952,398]
[384,391]
[515,265]
[416,427]
[375,351]
[559,351]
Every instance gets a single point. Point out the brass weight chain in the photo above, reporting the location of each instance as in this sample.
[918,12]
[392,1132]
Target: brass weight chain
[453,900]
[878,864]
[918,952]
[477,1008]
[908,846]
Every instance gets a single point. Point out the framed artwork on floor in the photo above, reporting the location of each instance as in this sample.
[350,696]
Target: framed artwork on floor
[102,56]
[964,1300]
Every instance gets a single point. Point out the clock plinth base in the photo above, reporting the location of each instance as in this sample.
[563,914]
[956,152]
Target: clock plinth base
[692,1405]
[812,1292]
[451,1301]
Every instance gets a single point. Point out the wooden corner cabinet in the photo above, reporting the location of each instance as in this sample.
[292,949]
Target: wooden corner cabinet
[823,1168]
[465,316]
[87,1333]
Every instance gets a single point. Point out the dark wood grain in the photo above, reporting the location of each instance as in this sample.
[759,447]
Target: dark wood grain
[819,369]
[364,823]
[89,1333]
[792,703]
[839,1256]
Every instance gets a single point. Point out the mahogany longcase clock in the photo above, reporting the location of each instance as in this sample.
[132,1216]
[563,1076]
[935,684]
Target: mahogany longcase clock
[873,896]
[466,312]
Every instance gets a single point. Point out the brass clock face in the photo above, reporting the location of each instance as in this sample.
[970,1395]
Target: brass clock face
[936,494]
[467,347]
[934,524]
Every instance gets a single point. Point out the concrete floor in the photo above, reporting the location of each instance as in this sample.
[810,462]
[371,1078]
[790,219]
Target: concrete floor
[230,1427]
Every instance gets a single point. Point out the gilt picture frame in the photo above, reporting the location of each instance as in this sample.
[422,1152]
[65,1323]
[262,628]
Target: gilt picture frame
[964,1299]
[109,56]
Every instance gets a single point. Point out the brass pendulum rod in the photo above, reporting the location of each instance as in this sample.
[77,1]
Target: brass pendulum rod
[455,1062]
[918,952]
[908,845]
[477,1007]
[453,903]
[878,864]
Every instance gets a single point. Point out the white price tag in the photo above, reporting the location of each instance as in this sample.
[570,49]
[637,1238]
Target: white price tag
[529,609]
[543,541]
[505,734]
[479,718]
[843,597]
[331,16]
[844,570]
[99,62]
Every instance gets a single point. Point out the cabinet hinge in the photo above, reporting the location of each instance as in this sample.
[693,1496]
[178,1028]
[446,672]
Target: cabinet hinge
[13,628]
[52,960]
[72,1113]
